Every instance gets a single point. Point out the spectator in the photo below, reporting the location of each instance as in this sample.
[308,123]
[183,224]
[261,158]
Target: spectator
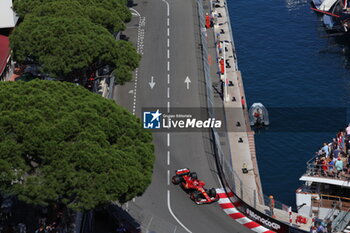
[325,148]
[336,153]
[243,102]
[321,228]
[348,130]
[331,166]
[41,229]
[339,165]
[272,206]
[323,166]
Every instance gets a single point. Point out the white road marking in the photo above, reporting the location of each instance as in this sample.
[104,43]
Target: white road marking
[168,158]
[168,180]
[149,224]
[167,6]
[188,81]
[168,135]
[140,37]
[136,12]
[171,212]
[168,53]
[168,21]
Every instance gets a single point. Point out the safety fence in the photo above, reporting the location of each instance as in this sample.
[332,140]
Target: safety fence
[229,177]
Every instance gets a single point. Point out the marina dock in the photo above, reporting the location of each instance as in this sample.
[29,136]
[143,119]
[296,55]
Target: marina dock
[238,144]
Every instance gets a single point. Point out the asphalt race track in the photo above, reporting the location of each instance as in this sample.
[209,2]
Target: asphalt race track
[167,36]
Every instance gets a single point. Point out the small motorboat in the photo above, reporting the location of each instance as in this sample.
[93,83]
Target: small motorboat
[258,115]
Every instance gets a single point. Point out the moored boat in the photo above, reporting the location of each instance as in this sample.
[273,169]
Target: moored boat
[325,195]
[323,5]
[258,115]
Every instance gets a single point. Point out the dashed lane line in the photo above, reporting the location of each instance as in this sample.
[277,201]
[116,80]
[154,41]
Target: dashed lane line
[168,158]
[140,45]
[168,180]
[168,138]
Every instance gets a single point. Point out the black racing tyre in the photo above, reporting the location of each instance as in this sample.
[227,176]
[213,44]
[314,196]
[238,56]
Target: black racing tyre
[194,176]
[196,195]
[212,192]
[176,180]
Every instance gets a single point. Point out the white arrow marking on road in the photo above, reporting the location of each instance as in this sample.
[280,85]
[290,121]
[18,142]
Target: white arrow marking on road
[152,83]
[131,92]
[188,81]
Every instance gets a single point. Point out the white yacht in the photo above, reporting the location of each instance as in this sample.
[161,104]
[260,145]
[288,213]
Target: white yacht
[323,5]
[325,196]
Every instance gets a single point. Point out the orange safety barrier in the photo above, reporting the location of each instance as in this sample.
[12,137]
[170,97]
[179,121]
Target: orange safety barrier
[222,66]
[207,21]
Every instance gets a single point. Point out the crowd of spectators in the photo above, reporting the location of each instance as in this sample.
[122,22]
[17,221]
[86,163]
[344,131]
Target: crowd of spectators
[332,160]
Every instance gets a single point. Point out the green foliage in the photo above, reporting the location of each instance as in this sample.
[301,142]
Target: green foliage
[95,13]
[70,47]
[115,7]
[60,143]
[72,39]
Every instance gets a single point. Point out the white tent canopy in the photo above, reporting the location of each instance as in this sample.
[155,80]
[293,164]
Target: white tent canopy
[8,18]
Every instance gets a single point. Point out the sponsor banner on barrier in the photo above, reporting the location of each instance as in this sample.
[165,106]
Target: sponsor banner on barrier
[264,220]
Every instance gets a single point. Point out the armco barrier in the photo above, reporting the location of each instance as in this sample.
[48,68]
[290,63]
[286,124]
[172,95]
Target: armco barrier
[242,206]
[224,167]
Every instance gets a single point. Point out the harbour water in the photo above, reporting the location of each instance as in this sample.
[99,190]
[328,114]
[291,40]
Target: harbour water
[287,62]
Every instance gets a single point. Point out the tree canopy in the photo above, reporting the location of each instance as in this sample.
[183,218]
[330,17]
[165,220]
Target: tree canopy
[68,47]
[72,39]
[111,20]
[60,143]
[115,7]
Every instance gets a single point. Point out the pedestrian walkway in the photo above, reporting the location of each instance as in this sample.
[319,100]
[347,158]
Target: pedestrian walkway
[238,143]
[241,140]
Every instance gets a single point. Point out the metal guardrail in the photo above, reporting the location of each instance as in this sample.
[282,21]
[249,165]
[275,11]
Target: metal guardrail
[231,175]
[326,171]
[228,175]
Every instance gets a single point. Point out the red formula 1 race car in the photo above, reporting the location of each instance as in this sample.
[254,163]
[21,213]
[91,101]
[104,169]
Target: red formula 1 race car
[190,183]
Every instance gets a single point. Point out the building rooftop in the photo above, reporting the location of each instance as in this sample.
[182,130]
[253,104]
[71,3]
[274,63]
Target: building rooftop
[4,52]
[8,18]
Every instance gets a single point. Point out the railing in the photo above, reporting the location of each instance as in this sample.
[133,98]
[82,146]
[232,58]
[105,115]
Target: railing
[341,221]
[326,171]
[228,176]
